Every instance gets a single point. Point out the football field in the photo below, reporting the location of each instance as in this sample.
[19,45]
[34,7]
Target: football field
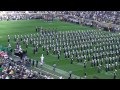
[27,27]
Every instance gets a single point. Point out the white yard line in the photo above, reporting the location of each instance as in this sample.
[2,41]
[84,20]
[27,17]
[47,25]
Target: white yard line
[66,74]
[47,72]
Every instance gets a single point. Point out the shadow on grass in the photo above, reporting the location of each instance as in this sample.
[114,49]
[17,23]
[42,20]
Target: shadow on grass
[95,77]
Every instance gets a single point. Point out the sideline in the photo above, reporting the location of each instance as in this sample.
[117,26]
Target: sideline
[47,72]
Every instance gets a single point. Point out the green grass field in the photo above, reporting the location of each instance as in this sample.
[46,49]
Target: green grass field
[28,26]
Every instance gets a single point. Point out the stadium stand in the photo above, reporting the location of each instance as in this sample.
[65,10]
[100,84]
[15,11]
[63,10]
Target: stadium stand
[101,50]
[12,69]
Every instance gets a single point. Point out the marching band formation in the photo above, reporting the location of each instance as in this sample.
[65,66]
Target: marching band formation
[99,49]
[92,48]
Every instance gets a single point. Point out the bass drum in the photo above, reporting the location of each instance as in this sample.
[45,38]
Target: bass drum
[17,53]
[20,54]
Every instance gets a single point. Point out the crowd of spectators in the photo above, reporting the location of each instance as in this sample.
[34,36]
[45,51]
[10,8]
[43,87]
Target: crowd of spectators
[20,69]
[101,16]
[19,15]
[108,20]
